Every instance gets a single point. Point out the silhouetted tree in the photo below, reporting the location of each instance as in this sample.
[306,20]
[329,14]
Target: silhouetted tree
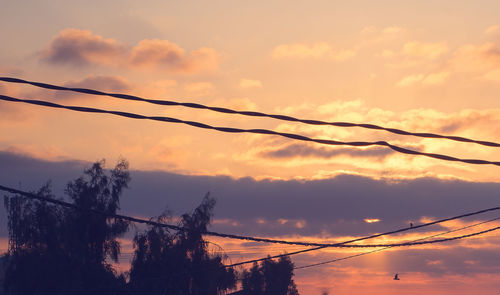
[270,278]
[56,250]
[179,262]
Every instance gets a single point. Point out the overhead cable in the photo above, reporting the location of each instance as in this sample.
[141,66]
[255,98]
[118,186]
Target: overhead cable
[255,131]
[247,113]
[345,244]
[386,248]
[346,257]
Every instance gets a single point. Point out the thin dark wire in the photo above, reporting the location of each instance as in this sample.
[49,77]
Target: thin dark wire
[248,238]
[385,248]
[256,131]
[355,255]
[247,113]
[412,243]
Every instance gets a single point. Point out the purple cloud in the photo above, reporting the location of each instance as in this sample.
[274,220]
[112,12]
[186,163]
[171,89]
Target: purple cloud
[335,206]
[80,48]
[307,151]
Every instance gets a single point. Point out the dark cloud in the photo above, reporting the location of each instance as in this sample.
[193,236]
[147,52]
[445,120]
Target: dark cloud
[79,48]
[451,127]
[82,48]
[308,151]
[335,206]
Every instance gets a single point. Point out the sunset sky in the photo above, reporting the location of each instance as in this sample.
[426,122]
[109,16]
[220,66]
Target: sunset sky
[421,66]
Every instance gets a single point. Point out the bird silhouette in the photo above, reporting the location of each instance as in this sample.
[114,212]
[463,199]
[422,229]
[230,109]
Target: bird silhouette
[411,224]
[396,277]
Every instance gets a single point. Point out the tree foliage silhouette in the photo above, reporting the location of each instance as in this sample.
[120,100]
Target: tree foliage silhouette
[179,262]
[54,250]
[270,278]
[59,250]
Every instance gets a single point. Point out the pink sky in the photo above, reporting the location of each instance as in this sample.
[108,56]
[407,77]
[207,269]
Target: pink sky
[420,66]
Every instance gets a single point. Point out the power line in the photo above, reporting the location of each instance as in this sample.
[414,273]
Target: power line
[247,113]
[355,255]
[345,244]
[385,248]
[255,131]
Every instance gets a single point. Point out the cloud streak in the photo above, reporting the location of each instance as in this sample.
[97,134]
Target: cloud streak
[308,151]
[426,80]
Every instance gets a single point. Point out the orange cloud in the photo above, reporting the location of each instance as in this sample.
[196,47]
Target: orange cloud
[386,53]
[249,83]
[163,54]
[157,51]
[425,50]
[4,245]
[303,159]
[476,59]
[481,61]
[492,29]
[320,50]
[410,80]
[436,78]
[300,224]
[392,30]
[225,221]
[492,75]
[428,80]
